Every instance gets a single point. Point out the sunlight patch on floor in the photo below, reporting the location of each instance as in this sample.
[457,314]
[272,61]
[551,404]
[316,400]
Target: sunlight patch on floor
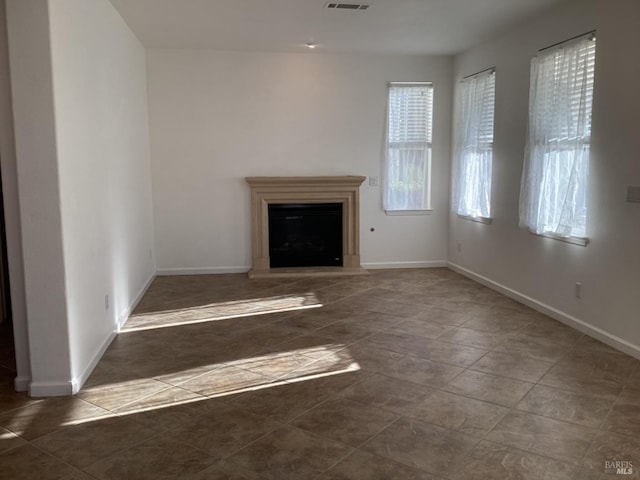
[237,377]
[221,311]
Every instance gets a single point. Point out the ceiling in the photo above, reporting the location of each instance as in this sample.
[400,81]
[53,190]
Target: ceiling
[436,27]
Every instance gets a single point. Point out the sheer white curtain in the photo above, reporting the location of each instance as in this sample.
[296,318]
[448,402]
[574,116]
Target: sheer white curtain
[474,146]
[407,155]
[553,194]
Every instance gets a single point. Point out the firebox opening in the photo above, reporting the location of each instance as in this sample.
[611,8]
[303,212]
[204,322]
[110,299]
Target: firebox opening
[305,235]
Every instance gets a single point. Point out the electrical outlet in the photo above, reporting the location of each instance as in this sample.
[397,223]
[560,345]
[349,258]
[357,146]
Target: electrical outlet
[459,248]
[373,181]
[633,194]
[106,302]
[578,290]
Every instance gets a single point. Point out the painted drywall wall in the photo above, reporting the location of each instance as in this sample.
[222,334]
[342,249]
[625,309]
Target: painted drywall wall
[217,117]
[542,269]
[99,85]
[11,203]
[82,146]
[39,195]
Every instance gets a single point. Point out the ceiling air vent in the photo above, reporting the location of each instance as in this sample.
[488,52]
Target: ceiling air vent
[348,6]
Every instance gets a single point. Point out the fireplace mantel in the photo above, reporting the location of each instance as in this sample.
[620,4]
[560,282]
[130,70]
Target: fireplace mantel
[338,189]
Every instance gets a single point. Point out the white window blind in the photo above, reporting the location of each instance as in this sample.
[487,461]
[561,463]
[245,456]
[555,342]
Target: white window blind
[407,160]
[474,146]
[553,195]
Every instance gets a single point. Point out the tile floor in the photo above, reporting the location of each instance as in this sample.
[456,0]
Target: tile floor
[405,374]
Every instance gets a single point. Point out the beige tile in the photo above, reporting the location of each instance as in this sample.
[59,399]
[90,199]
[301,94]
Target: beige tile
[425,348]
[462,414]
[543,436]
[571,407]
[86,443]
[490,461]
[226,471]
[11,400]
[472,338]
[313,346]
[492,388]
[423,372]
[387,393]
[441,316]
[290,453]
[373,359]
[421,328]
[423,446]
[345,331]
[364,465]
[581,380]
[9,440]
[29,463]
[226,381]
[513,365]
[495,322]
[274,365]
[163,399]
[601,364]
[285,402]
[585,474]
[50,415]
[112,396]
[610,447]
[465,307]
[221,430]
[624,417]
[157,458]
[344,421]
[333,363]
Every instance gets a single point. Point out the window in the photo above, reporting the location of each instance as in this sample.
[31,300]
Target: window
[474,146]
[553,195]
[407,163]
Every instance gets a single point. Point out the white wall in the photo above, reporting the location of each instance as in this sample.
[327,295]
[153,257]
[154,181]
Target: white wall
[8,168]
[217,117]
[39,194]
[79,97]
[543,269]
[100,95]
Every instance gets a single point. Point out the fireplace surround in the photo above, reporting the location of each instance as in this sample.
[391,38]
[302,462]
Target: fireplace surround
[305,190]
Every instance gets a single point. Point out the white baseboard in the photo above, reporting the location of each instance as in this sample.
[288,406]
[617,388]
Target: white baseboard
[201,271]
[569,320]
[421,264]
[51,389]
[21,384]
[124,315]
[78,381]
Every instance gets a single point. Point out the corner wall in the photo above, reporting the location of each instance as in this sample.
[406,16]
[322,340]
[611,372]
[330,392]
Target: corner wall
[539,270]
[99,81]
[8,167]
[217,117]
[79,96]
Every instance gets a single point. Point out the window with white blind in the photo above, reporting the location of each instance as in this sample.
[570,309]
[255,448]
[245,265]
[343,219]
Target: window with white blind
[553,195]
[407,158]
[474,146]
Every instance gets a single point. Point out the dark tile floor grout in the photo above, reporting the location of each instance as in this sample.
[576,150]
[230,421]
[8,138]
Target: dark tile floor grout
[418,374]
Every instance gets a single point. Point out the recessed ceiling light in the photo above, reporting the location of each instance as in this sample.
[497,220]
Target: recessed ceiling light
[311,45]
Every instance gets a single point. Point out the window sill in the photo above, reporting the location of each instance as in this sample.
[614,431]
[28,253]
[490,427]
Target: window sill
[485,220]
[581,241]
[427,211]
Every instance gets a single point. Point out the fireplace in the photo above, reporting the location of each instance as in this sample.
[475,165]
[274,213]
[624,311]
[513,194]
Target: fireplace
[305,235]
[298,197]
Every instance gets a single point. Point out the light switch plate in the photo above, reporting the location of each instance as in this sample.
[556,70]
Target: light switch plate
[633,194]
[373,181]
